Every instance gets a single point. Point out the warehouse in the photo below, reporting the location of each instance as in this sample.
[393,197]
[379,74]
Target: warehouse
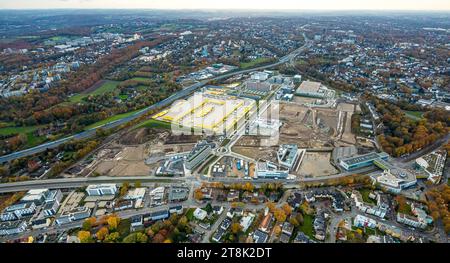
[361,161]
[206,111]
[313,89]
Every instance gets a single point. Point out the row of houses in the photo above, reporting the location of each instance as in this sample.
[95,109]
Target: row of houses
[337,198]
[419,218]
[380,209]
[224,225]
[139,220]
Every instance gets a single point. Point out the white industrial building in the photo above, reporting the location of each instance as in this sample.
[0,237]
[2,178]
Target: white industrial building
[101,189]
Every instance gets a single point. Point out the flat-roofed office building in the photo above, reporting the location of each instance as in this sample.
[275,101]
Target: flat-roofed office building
[361,161]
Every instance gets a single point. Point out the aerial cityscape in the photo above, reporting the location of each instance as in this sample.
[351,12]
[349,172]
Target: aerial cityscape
[165,125]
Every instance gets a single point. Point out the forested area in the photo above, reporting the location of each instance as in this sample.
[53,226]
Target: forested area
[403,135]
[438,199]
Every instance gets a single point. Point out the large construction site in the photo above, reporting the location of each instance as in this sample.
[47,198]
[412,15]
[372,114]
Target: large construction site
[318,129]
[311,127]
[140,153]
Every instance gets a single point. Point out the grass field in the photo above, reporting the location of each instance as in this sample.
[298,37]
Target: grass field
[123,97]
[190,214]
[28,131]
[34,140]
[253,63]
[15,130]
[108,86]
[415,115]
[365,195]
[406,209]
[124,227]
[169,27]
[307,226]
[56,38]
[140,79]
[154,124]
[110,119]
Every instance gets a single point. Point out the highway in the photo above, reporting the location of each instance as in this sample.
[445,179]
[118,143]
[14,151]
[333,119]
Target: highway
[166,102]
[77,182]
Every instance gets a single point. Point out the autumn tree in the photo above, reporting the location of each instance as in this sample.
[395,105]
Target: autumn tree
[248,187]
[182,223]
[287,209]
[137,184]
[294,221]
[277,230]
[88,223]
[271,206]
[402,205]
[124,188]
[85,236]
[279,215]
[113,222]
[141,238]
[102,233]
[112,237]
[158,238]
[198,195]
[236,228]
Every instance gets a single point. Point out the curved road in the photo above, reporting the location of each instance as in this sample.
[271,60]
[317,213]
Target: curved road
[166,102]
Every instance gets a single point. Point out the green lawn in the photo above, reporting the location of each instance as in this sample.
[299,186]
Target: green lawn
[253,63]
[56,38]
[169,27]
[123,97]
[405,210]
[110,119]
[15,130]
[152,123]
[108,86]
[140,79]
[6,124]
[190,214]
[32,139]
[307,226]
[415,115]
[365,195]
[124,227]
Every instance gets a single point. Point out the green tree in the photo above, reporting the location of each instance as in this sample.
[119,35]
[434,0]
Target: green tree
[137,184]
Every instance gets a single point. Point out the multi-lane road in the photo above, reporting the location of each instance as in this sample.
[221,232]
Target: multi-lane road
[166,102]
[77,182]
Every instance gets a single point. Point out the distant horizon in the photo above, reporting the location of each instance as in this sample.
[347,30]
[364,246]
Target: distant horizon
[248,5]
[233,10]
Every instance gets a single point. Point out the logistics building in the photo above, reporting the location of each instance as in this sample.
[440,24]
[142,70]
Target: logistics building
[209,111]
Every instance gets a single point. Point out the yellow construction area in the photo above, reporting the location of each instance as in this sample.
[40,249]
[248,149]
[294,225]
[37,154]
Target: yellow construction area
[210,110]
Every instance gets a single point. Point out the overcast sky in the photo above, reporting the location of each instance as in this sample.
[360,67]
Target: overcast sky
[232,4]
